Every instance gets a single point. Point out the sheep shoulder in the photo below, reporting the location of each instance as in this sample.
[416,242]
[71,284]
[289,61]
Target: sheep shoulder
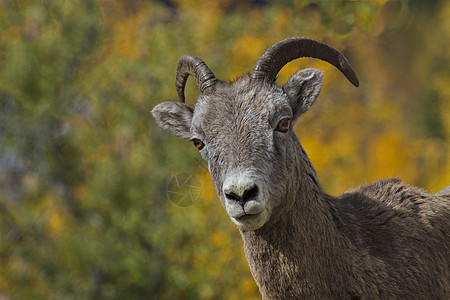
[391,200]
[402,231]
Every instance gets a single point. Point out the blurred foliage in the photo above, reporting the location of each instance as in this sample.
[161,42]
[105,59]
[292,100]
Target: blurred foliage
[84,210]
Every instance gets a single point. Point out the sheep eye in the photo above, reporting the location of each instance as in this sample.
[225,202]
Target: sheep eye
[199,144]
[283,125]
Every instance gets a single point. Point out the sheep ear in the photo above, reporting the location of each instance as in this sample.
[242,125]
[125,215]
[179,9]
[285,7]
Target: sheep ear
[175,117]
[302,89]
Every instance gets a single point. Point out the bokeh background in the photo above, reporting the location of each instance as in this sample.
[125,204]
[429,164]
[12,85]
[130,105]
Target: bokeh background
[85,172]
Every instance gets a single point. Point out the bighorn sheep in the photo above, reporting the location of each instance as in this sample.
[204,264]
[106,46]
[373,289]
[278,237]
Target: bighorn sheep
[385,240]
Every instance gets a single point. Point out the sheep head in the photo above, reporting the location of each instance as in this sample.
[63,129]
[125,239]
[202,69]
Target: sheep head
[244,128]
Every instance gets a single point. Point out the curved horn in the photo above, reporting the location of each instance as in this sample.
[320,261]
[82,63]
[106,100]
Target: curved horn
[271,62]
[194,66]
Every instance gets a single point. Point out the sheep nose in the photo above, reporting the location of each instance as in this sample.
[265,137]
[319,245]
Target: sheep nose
[241,195]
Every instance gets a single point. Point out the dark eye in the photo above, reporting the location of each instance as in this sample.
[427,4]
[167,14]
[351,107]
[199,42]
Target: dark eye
[283,125]
[199,144]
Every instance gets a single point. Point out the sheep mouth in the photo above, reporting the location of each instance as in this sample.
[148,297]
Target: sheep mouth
[247,217]
[251,221]
[238,210]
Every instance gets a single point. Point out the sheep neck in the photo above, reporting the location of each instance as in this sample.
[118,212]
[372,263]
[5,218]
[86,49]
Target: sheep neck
[302,254]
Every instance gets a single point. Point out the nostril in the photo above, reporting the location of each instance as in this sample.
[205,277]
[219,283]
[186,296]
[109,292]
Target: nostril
[250,194]
[232,196]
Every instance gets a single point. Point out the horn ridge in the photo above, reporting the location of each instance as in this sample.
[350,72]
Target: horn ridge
[281,53]
[194,66]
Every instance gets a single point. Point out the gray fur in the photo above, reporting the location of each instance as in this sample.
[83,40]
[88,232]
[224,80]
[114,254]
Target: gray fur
[385,240]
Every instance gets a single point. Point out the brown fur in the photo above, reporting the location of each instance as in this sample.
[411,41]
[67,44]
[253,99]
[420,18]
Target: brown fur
[370,243]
